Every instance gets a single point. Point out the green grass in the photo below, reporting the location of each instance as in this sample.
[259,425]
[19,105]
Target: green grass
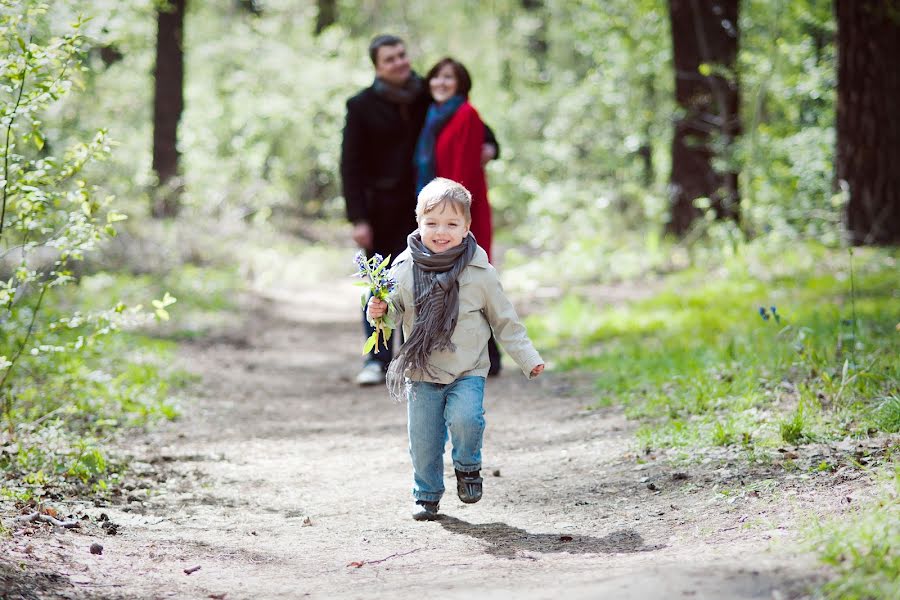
[699,365]
[864,548]
[205,296]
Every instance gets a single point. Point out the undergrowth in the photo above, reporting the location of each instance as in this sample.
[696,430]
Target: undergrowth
[760,351]
[69,407]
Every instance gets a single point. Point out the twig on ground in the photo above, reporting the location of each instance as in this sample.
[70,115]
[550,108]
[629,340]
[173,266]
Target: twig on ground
[192,570]
[358,564]
[36,516]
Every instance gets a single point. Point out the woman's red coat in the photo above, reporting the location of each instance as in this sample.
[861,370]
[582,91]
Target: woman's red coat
[457,155]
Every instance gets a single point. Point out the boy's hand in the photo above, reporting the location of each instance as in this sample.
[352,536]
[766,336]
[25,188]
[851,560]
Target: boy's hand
[376,308]
[537,370]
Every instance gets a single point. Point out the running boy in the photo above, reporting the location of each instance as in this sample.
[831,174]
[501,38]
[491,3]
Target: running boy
[448,298]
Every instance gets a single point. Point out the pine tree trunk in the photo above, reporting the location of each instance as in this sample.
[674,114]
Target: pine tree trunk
[168,105]
[868,127]
[704,33]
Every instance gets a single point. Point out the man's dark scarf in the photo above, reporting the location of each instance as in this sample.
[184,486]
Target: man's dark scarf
[436,291]
[403,95]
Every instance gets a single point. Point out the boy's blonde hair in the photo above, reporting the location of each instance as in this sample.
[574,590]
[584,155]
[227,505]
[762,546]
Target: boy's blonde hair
[440,192]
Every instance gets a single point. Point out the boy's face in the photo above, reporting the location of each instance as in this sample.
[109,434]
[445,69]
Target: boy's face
[443,227]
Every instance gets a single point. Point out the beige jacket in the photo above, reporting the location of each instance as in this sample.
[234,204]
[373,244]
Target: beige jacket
[482,307]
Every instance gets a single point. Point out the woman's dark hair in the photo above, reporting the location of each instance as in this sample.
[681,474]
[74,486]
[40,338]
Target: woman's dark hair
[379,41]
[463,81]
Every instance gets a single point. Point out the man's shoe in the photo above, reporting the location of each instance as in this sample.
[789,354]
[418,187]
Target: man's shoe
[425,511]
[468,486]
[371,374]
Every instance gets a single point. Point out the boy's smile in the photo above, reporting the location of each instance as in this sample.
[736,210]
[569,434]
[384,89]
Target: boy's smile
[443,228]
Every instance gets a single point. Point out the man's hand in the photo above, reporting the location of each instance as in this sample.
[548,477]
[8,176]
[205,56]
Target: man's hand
[362,235]
[377,308]
[537,370]
[488,152]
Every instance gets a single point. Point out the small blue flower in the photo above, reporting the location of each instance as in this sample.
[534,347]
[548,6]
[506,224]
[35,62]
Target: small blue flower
[763,313]
[360,260]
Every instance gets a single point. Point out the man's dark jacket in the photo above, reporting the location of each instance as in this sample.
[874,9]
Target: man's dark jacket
[377,165]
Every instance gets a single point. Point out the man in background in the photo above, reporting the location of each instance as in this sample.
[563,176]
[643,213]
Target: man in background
[382,125]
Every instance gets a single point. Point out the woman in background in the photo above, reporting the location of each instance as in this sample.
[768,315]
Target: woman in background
[451,145]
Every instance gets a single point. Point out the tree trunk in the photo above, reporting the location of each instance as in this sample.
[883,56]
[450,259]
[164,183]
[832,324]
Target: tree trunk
[868,130]
[326,16]
[537,43]
[704,33]
[168,104]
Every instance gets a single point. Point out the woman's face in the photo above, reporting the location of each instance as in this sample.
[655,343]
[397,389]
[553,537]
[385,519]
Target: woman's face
[443,85]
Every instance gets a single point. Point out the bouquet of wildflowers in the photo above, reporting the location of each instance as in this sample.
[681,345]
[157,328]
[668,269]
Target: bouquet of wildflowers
[379,285]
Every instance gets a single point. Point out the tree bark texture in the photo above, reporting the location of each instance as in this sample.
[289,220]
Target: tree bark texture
[868,127]
[704,32]
[326,15]
[168,104]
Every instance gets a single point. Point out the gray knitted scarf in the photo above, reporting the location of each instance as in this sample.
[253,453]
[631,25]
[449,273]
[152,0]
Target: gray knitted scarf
[436,292]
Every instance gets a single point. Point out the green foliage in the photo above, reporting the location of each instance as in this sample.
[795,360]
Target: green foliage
[792,428]
[50,215]
[72,370]
[887,415]
[707,361]
[579,93]
[863,548]
[788,74]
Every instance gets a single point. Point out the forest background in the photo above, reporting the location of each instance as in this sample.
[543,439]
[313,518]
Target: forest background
[760,321]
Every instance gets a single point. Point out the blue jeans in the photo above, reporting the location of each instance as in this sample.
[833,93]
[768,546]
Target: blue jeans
[434,410]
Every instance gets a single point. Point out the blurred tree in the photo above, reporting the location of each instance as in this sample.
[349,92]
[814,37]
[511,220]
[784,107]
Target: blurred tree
[252,6]
[868,130]
[168,105]
[537,42]
[704,48]
[326,15]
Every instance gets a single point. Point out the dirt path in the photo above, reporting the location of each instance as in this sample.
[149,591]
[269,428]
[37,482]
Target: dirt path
[284,480]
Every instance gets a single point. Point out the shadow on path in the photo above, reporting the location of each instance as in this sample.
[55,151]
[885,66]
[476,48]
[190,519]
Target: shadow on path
[506,541]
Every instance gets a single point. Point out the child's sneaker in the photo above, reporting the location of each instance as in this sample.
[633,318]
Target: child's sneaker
[468,486]
[425,511]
